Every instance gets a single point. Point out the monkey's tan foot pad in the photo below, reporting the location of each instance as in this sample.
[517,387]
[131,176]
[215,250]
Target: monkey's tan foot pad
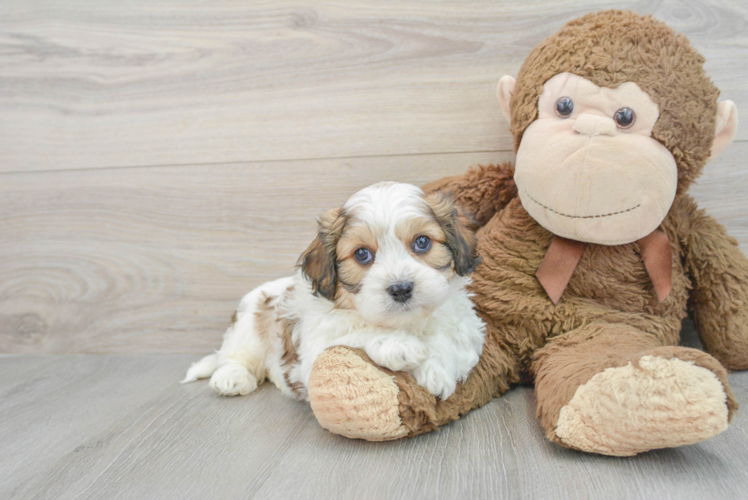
[354,398]
[650,404]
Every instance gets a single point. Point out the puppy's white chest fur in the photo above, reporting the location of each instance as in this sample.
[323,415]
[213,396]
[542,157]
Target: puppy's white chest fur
[438,350]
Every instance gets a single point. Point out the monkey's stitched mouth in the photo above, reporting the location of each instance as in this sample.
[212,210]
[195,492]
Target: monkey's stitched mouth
[582,216]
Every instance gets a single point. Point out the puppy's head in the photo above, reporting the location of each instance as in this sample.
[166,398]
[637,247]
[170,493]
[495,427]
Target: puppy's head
[391,253]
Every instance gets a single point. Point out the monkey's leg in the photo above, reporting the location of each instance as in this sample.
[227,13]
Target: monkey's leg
[353,397]
[615,390]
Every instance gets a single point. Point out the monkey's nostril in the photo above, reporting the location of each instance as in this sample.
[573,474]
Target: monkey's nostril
[401,292]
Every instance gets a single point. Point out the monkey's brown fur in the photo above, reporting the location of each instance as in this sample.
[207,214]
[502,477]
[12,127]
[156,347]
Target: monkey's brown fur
[609,315]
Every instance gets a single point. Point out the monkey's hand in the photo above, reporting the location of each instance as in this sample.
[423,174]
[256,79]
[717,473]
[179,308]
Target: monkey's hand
[482,190]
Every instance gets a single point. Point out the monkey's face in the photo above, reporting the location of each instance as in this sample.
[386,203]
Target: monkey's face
[588,168]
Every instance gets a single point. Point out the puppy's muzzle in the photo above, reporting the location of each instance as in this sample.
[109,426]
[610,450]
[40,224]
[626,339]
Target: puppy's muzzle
[401,292]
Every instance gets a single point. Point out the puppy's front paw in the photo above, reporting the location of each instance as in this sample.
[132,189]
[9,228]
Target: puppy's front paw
[436,378]
[398,353]
[233,380]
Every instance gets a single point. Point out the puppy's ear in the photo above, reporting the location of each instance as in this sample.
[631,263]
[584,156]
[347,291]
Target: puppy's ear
[459,229]
[319,262]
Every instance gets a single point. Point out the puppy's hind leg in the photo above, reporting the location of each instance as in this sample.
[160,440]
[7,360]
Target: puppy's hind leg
[241,361]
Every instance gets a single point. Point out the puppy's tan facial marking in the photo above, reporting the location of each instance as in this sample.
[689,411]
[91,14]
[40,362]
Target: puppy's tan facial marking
[351,272]
[409,230]
[439,255]
[355,236]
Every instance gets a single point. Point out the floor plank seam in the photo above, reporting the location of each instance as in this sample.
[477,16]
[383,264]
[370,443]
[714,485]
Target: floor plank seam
[257,162]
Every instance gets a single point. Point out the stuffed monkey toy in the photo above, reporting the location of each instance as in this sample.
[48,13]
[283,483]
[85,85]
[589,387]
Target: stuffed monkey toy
[593,253]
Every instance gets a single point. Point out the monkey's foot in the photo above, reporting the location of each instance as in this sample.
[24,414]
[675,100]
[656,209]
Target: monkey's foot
[653,402]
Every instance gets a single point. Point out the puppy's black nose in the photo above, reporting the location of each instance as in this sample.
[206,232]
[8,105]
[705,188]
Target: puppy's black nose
[401,292]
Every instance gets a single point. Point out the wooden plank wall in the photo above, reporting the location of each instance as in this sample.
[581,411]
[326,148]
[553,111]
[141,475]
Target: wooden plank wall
[160,158]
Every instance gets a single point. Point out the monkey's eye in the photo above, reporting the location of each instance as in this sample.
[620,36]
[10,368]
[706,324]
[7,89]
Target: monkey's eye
[422,244]
[363,256]
[564,107]
[625,117]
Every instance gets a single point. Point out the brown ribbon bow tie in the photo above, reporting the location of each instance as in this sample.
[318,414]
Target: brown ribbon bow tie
[563,256]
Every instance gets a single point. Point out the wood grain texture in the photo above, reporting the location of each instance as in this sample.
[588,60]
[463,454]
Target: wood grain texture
[149,260]
[156,259]
[122,427]
[91,84]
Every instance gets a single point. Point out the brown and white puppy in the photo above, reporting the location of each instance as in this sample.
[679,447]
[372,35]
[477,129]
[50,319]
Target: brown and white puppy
[387,273]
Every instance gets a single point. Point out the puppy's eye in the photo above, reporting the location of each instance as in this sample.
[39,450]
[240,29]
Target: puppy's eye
[422,244]
[363,256]
[624,117]
[564,107]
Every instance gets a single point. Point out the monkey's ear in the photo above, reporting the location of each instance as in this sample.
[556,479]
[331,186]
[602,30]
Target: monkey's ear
[459,230]
[319,261]
[504,91]
[725,127]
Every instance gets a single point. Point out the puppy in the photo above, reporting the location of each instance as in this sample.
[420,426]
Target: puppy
[387,274]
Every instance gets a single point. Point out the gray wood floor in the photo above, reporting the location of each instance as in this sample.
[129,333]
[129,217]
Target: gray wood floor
[120,426]
[160,158]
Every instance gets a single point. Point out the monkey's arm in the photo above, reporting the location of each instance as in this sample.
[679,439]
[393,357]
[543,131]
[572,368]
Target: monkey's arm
[482,190]
[719,298]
